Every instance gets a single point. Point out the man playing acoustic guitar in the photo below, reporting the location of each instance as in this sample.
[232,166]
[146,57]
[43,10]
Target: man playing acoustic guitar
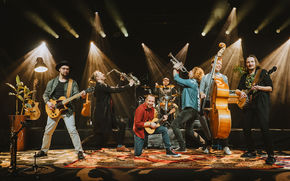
[143,114]
[258,110]
[56,88]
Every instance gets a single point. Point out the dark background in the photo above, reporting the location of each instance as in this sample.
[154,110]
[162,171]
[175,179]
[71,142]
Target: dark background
[164,26]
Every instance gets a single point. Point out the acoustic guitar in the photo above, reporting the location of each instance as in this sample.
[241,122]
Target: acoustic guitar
[60,104]
[32,110]
[158,122]
[250,92]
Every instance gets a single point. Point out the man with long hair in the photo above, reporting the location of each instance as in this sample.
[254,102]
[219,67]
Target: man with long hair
[258,109]
[103,112]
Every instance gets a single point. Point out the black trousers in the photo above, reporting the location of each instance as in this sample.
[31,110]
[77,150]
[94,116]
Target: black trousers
[188,115]
[252,116]
[102,136]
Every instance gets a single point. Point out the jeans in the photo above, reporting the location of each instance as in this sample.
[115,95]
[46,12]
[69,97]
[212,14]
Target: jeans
[139,142]
[70,125]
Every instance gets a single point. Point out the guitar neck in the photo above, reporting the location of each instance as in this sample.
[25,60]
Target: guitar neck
[71,98]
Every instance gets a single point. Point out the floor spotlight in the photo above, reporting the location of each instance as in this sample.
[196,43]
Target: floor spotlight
[40,66]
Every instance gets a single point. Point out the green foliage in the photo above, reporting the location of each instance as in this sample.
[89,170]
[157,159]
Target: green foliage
[240,69]
[21,92]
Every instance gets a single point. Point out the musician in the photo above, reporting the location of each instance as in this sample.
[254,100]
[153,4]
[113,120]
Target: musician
[56,88]
[258,110]
[143,114]
[166,91]
[165,88]
[103,113]
[190,106]
[204,87]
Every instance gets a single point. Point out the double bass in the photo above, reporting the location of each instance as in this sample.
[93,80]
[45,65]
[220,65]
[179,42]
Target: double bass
[220,115]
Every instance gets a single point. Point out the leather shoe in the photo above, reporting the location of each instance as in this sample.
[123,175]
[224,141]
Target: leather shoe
[123,149]
[249,154]
[270,160]
[81,155]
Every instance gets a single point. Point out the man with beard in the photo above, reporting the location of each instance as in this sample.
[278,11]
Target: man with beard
[258,109]
[56,88]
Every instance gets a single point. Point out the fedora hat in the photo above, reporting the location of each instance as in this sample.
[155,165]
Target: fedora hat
[57,67]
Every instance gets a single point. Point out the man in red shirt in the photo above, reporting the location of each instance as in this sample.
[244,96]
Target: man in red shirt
[143,114]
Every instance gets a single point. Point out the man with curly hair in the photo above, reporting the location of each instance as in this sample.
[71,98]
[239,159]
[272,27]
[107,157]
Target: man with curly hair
[190,106]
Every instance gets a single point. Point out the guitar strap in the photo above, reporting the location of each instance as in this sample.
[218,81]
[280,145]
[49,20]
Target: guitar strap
[69,86]
[257,76]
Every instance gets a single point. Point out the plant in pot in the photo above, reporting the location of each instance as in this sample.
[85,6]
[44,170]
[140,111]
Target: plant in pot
[23,96]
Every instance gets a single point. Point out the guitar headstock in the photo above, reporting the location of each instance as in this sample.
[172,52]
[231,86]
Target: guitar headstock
[90,89]
[273,69]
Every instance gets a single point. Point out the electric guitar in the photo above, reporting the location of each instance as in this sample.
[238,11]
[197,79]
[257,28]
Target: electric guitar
[32,109]
[251,92]
[158,122]
[86,111]
[60,104]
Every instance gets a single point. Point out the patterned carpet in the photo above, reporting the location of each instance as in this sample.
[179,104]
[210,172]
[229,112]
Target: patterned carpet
[192,159]
[107,164]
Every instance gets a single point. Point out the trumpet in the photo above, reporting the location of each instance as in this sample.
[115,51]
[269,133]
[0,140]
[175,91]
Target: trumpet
[126,76]
[175,61]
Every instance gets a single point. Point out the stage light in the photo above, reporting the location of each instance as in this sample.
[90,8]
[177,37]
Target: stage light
[227,32]
[284,25]
[275,12]
[40,66]
[256,31]
[34,18]
[98,25]
[241,14]
[218,13]
[112,9]
[281,78]
[63,22]
[97,60]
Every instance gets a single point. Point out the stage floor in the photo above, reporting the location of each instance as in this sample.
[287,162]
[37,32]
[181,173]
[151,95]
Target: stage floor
[101,165]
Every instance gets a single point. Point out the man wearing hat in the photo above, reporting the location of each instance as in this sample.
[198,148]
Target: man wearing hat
[56,88]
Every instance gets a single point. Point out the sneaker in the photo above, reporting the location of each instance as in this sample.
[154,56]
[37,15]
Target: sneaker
[227,150]
[81,155]
[204,150]
[40,154]
[170,152]
[249,154]
[270,160]
[123,149]
[180,149]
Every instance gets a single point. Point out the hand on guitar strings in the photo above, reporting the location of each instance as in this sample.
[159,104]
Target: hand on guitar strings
[83,94]
[165,117]
[50,105]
